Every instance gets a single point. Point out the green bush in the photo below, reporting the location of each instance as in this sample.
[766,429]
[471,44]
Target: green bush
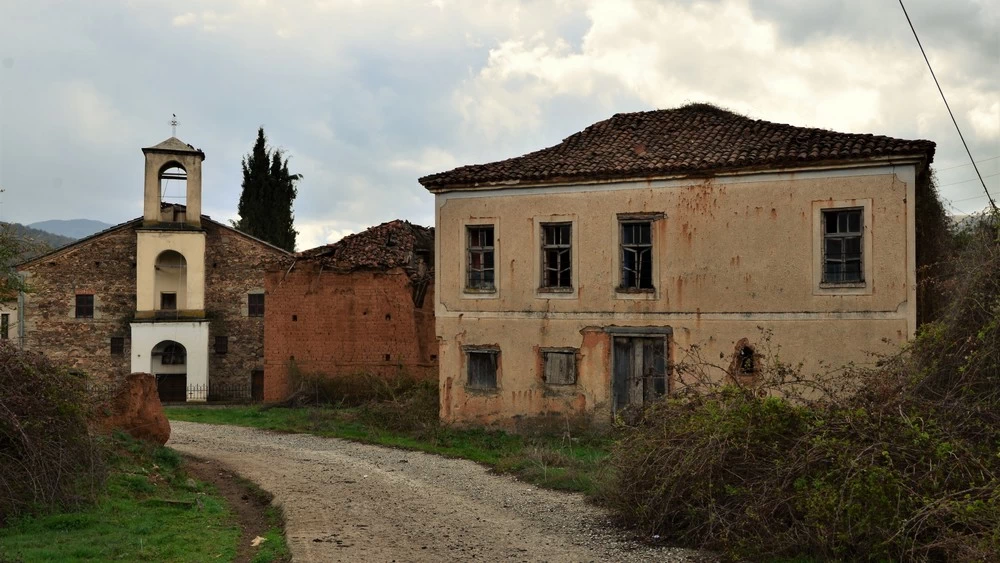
[899,462]
[47,456]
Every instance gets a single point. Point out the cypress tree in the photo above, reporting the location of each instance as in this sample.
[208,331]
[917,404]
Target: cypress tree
[265,207]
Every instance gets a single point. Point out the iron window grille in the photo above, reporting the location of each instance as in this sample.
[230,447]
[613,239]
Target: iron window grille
[255,304]
[842,246]
[85,306]
[480,267]
[636,256]
[173,355]
[117,345]
[557,247]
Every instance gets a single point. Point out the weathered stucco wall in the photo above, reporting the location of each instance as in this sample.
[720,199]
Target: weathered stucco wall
[345,323]
[731,254]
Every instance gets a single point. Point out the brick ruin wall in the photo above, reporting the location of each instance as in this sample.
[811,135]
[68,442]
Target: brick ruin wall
[345,323]
[105,266]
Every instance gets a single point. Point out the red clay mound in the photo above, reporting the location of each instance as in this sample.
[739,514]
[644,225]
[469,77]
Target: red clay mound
[135,409]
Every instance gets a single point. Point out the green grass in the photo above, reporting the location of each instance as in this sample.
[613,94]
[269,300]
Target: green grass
[148,512]
[566,463]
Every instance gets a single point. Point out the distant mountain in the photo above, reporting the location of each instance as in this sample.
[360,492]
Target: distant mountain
[36,241]
[73,228]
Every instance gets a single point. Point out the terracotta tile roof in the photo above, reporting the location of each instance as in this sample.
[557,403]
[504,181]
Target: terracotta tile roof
[696,139]
[381,247]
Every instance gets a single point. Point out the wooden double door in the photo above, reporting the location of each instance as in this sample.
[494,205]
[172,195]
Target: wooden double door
[640,370]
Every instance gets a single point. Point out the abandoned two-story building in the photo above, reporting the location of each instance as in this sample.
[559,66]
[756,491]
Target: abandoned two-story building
[570,280]
[172,293]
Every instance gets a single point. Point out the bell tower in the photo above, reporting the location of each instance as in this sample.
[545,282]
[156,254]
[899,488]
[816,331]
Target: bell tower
[170,329]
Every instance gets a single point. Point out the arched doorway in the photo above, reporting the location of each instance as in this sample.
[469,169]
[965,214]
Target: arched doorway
[169,365]
[170,282]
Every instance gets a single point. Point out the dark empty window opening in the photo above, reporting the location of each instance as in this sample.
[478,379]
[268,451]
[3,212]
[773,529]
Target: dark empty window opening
[255,304]
[559,367]
[97,264]
[482,368]
[168,301]
[117,345]
[221,345]
[388,317]
[480,267]
[557,270]
[386,357]
[747,363]
[85,306]
[842,248]
[434,357]
[4,326]
[295,318]
[636,255]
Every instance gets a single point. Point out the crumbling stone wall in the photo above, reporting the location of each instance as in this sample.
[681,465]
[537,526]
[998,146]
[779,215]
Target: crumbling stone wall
[103,266]
[234,267]
[344,323]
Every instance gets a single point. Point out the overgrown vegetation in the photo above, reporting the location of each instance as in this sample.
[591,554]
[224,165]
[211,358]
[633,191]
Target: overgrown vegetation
[149,511]
[401,412]
[48,459]
[899,462]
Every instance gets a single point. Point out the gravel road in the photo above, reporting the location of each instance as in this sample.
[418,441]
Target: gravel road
[345,501]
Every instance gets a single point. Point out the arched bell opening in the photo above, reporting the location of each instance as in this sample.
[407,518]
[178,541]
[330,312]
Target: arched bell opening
[173,180]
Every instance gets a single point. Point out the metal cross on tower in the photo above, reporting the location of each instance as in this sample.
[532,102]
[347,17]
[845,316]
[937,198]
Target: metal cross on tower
[173,126]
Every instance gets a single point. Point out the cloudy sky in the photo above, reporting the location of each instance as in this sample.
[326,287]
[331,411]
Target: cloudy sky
[367,96]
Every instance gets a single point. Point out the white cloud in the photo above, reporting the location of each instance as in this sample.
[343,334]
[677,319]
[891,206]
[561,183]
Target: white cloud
[185,19]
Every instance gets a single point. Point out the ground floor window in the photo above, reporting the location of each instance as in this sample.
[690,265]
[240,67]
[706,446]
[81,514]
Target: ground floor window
[559,366]
[481,365]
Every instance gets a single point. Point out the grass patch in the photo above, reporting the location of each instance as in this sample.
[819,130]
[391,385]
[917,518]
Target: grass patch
[570,461]
[149,511]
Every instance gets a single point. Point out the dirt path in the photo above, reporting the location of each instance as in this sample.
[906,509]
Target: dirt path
[353,502]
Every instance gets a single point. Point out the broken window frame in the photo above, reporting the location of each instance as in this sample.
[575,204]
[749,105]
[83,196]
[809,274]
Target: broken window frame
[640,250]
[480,259]
[844,237]
[255,304]
[557,277]
[84,308]
[476,354]
[568,379]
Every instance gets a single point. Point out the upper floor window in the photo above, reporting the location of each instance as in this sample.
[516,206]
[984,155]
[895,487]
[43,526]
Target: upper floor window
[557,268]
[255,304]
[842,244]
[636,241]
[85,306]
[480,268]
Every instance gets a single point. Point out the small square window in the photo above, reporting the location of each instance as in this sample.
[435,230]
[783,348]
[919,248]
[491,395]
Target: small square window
[842,246]
[85,306]
[221,345]
[557,256]
[482,368]
[255,304]
[480,255]
[168,301]
[559,367]
[636,243]
[117,345]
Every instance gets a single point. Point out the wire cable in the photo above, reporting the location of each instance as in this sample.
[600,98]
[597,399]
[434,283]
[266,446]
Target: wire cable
[940,91]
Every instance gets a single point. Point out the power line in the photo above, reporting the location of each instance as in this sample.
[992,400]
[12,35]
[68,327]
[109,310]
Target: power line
[967,164]
[940,91]
[970,180]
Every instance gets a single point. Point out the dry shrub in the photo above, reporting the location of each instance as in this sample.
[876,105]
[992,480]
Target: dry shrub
[48,459]
[348,390]
[897,462]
